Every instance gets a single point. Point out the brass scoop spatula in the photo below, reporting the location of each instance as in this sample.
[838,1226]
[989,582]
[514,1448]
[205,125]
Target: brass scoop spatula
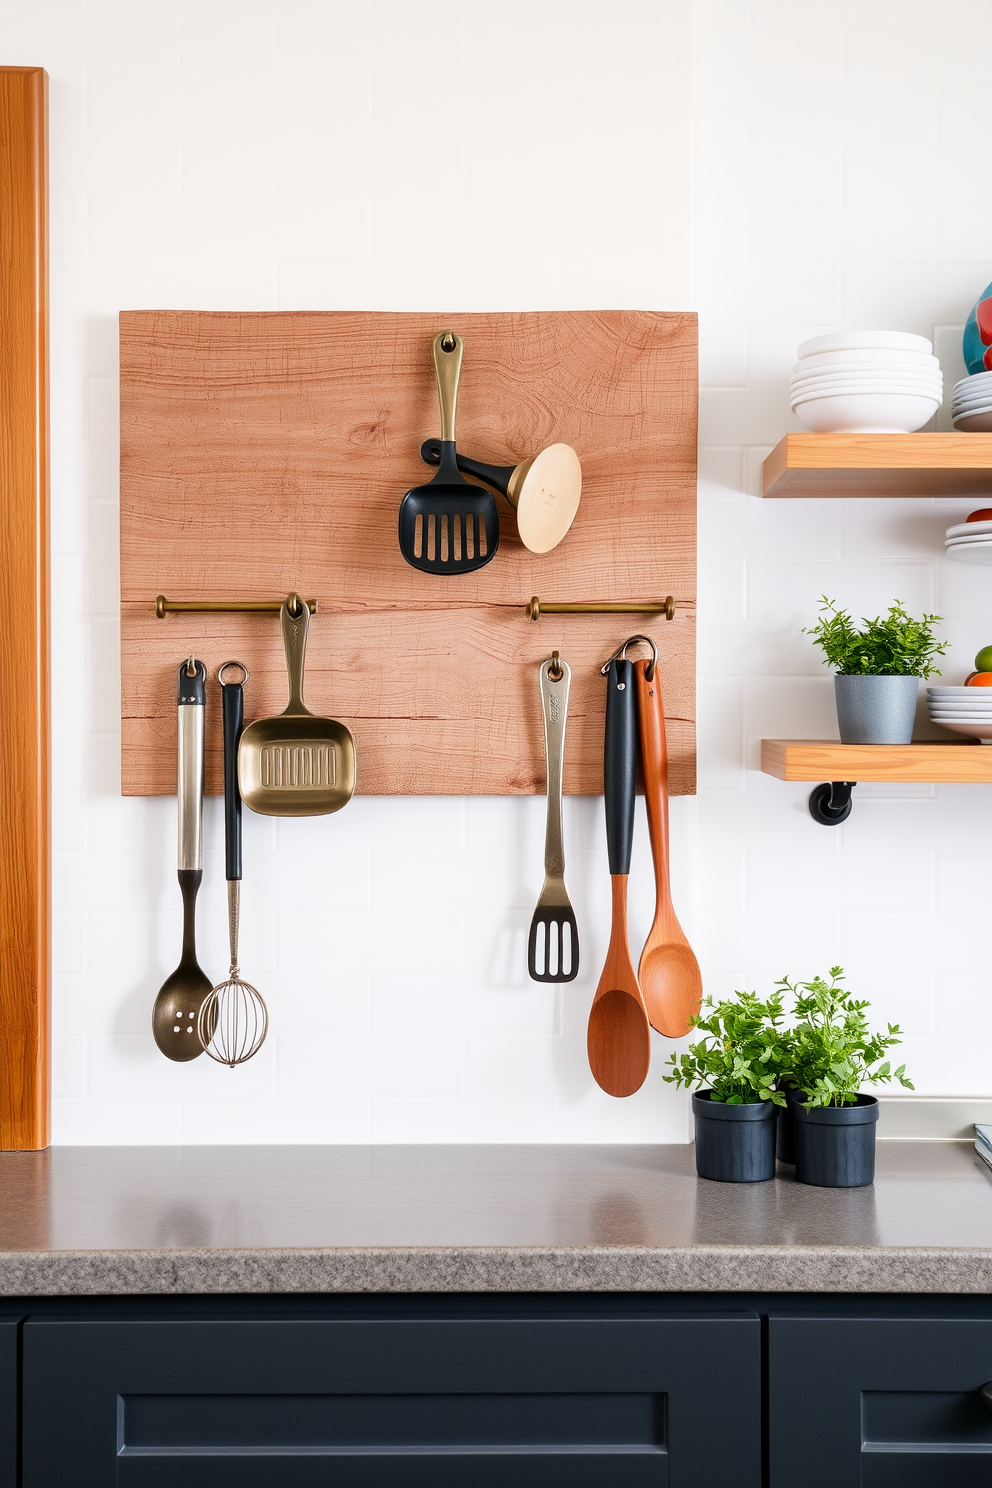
[296,764]
[448,526]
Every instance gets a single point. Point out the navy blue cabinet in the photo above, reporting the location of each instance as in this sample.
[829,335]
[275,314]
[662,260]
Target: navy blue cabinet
[884,1402]
[543,1402]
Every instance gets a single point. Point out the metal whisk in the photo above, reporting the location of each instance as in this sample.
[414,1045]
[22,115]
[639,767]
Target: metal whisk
[233,1018]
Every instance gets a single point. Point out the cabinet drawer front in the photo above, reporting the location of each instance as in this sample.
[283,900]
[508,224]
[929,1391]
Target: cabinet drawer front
[530,1403]
[879,1403]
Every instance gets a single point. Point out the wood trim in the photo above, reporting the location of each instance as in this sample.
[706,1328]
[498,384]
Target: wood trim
[25,886]
[822,759]
[880,465]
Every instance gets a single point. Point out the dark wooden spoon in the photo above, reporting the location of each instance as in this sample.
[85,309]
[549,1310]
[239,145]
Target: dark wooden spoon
[619,1034]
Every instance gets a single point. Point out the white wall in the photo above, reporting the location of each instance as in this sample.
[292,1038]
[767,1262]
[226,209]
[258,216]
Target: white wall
[842,180]
[235,154]
[280,154]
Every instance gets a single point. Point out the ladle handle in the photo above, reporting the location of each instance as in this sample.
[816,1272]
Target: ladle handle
[233,704]
[447,349]
[620,763]
[189,782]
[295,628]
[497,476]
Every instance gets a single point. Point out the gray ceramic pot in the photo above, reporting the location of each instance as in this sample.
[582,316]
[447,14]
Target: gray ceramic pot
[876,710]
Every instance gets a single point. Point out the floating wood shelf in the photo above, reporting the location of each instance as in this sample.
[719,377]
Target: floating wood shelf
[823,759]
[880,465]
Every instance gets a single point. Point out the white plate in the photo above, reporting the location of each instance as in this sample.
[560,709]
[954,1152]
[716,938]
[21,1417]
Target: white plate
[866,413]
[845,361]
[865,341]
[880,389]
[956,711]
[969,529]
[949,692]
[981,731]
[973,423]
[892,378]
[974,383]
[968,537]
[971,552]
[979,404]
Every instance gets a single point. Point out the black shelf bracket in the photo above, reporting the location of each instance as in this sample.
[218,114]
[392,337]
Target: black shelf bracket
[830,804]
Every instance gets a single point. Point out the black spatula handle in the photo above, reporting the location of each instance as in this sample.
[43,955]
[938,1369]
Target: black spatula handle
[233,702]
[620,763]
[497,476]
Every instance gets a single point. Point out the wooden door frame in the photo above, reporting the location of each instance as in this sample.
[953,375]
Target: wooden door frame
[25,778]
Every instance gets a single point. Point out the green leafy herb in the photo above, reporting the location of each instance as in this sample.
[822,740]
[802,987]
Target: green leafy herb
[894,645]
[741,1054]
[830,1052]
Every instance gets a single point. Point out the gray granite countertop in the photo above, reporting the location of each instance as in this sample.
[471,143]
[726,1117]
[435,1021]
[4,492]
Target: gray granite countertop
[133,1220]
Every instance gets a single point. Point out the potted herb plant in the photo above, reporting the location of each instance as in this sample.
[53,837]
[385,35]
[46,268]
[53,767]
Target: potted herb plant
[877,669]
[828,1054]
[739,1061]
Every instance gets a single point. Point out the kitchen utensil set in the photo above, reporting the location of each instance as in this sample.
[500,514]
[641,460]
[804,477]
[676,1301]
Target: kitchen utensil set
[866,382]
[666,991]
[450,526]
[295,764]
[971,404]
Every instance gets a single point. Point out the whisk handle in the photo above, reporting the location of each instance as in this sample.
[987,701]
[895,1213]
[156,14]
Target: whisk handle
[233,696]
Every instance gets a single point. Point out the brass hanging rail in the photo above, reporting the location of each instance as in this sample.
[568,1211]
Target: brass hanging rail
[535,608]
[165,606]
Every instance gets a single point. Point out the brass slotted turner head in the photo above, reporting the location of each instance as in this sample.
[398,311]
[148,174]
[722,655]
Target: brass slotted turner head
[296,764]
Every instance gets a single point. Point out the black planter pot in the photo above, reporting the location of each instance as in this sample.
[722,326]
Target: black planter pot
[835,1145]
[734,1144]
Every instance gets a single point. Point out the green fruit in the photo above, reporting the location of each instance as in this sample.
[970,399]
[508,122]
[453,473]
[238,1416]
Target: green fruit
[983,661]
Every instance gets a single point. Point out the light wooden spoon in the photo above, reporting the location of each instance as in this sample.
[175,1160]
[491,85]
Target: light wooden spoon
[669,975]
[619,1035]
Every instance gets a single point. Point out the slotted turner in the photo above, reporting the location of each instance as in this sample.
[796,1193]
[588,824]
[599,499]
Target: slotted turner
[554,955]
[448,526]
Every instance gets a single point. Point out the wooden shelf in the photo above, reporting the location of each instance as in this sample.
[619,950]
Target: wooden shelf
[823,759]
[880,465]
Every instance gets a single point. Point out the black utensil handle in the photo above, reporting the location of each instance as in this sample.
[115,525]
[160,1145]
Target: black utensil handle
[620,763]
[233,700]
[497,476]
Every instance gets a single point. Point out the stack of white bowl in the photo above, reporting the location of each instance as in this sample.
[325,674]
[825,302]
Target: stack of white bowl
[963,710]
[971,406]
[866,382]
[971,541]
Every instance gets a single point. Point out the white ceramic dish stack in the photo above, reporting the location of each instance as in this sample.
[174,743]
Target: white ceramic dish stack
[969,542]
[866,382]
[971,405]
[963,710]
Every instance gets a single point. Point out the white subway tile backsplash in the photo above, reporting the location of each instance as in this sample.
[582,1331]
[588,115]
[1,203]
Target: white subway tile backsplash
[251,156]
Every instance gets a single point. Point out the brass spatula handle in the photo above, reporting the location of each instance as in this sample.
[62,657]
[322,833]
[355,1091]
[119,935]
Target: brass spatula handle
[295,627]
[448,349]
[555,682]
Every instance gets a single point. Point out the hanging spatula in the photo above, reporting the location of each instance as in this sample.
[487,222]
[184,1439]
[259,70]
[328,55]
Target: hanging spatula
[554,956]
[448,526]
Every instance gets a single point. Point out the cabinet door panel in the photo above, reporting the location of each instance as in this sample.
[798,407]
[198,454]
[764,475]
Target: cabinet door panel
[879,1403]
[9,1404]
[635,1403]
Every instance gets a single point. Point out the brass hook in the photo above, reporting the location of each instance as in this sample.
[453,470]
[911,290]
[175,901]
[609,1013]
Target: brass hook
[621,652]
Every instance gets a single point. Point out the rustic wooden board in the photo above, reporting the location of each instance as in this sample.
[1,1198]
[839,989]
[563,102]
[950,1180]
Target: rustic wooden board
[264,453]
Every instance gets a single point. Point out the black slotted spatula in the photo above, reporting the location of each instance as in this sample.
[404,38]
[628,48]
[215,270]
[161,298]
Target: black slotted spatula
[448,526]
